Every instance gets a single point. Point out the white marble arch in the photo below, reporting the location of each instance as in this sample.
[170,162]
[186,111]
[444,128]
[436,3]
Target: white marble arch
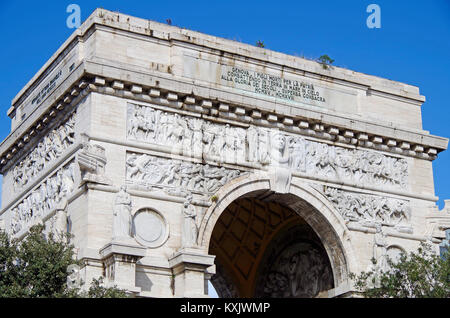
[308,203]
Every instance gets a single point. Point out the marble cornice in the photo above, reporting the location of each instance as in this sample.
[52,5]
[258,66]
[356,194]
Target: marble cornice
[163,89]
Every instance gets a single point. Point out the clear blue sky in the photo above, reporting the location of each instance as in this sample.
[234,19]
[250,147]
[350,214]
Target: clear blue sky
[412,46]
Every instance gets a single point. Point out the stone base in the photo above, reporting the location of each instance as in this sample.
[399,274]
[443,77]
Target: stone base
[190,270]
[119,258]
[124,247]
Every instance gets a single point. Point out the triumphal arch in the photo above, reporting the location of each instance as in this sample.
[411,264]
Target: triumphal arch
[175,158]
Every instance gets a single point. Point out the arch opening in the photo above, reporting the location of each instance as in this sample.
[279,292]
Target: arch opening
[264,247]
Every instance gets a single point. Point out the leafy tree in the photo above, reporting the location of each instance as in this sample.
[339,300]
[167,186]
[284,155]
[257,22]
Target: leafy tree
[325,60]
[421,274]
[98,291]
[36,267]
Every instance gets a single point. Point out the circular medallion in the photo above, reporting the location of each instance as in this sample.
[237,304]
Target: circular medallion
[149,228]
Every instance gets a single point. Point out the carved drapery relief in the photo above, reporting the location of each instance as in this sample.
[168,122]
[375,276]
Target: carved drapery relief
[170,174]
[194,136]
[51,194]
[225,143]
[122,215]
[189,231]
[49,149]
[370,209]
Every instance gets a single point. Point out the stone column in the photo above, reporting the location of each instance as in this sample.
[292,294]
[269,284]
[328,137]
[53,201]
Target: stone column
[119,259]
[189,268]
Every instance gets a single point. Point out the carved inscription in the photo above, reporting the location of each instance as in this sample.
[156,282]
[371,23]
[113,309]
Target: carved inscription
[271,85]
[225,143]
[48,150]
[48,196]
[48,88]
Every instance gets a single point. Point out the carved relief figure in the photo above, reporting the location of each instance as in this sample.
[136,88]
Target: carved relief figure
[300,271]
[252,144]
[150,171]
[278,153]
[189,230]
[380,248]
[298,154]
[52,193]
[49,149]
[279,171]
[360,207]
[122,215]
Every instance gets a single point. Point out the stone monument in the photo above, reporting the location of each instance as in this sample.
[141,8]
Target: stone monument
[176,158]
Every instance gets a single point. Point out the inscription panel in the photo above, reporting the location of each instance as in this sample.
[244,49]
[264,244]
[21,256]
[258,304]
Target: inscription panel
[271,85]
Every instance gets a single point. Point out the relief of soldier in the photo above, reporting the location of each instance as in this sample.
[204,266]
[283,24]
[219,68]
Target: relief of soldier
[230,144]
[50,148]
[44,198]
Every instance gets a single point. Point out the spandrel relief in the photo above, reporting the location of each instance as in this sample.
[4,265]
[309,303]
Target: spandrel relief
[150,171]
[224,143]
[49,195]
[371,210]
[48,150]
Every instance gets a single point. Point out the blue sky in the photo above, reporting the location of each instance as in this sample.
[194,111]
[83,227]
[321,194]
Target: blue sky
[412,45]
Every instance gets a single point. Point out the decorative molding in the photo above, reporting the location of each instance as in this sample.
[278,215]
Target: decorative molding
[221,109]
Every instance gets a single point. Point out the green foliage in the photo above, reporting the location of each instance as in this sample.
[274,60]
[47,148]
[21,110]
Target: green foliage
[36,267]
[421,274]
[260,44]
[325,60]
[96,290]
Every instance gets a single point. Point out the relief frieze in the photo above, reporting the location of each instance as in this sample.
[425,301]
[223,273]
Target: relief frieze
[48,196]
[46,151]
[225,143]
